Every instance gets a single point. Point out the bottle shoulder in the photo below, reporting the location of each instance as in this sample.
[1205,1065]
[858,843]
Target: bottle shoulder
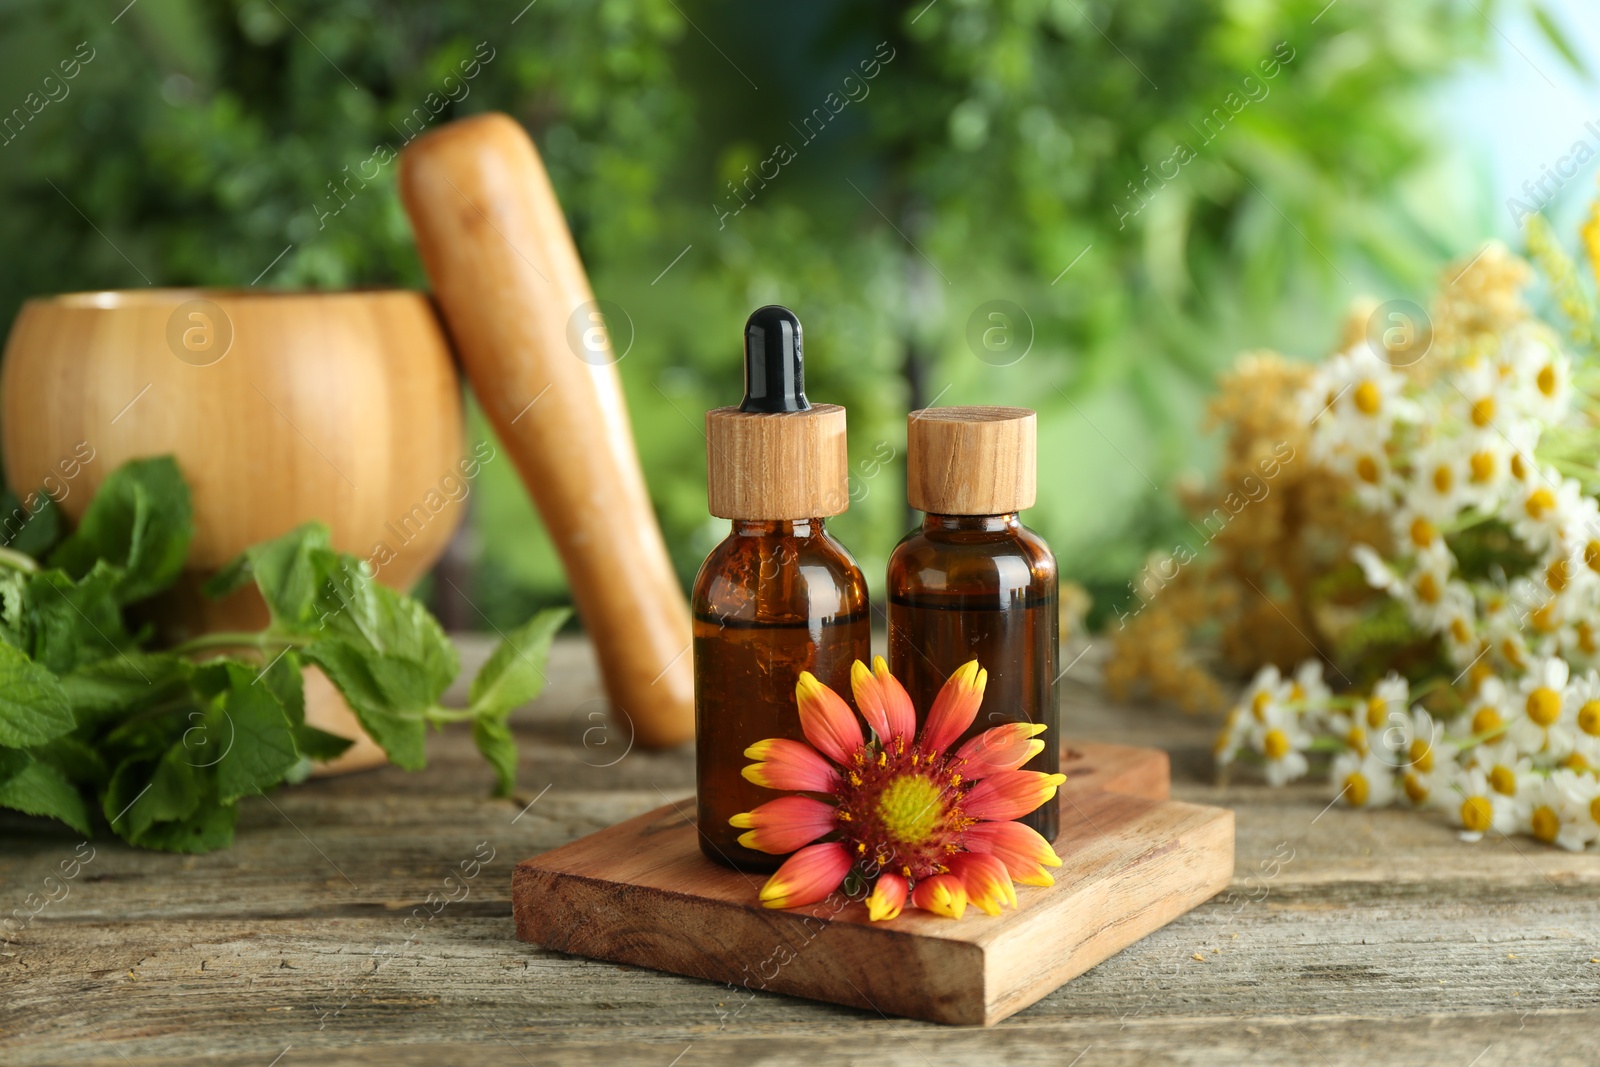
[780,578]
[943,561]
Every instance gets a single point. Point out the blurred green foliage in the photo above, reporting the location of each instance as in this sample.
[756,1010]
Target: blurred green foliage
[997,144]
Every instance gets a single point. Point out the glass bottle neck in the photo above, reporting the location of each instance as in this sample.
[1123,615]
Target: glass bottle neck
[971,523]
[777,527]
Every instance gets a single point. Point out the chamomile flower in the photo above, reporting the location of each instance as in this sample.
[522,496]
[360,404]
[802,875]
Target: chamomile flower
[1583,700]
[1540,722]
[1387,716]
[1474,806]
[1363,781]
[1543,372]
[1440,482]
[1307,689]
[1282,744]
[1508,771]
[1557,811]
[1486,397]
[1488,469]
[1489,709]
[1545,508]
[1367,395]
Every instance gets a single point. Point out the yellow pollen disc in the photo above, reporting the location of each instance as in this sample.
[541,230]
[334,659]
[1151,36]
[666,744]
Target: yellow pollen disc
[1422,755]
[1422,532]
[1483,412]
[1586,638]
[1555,575]
[1543,618]
[1443,478]
[1416,791]
[1356,789]
[1428,588]
[1546,824]
[1367,470]
[1589,718]
[1591,555]
[1275,744]
[1460,630]
[1509,649]
[1480,673]
[1296,692]
[1476,814]
[1519,469]
[1540,502]
[1594,809]
[1486,720]
[1220,745]
[910,809]
[1503,781]
[1376,706]
[1482,467]
[1544,705]
[1356,739]
[1546,380]
[1258,705]
[1368,399]
[1576,762]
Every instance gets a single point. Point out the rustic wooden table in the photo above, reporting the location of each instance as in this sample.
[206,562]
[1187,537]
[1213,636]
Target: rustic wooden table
[1348,938]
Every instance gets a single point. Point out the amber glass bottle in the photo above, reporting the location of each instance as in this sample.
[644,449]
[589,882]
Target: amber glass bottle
[973,582]
[779,595]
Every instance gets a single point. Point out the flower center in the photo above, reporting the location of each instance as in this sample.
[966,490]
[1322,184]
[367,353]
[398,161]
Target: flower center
[1482,467]
[1416,789]
[1594,809]
[1275,744]
[1356,789]
[1544,706]
[1428,588]
[1368,399]
[1376,706]
[1555,575]
[1545,823]
[1443,478]
[1422,755]
[1486,721]
[911,809]
[1460,630]
[1591,555]
[1367,470]
[1589,718]
[1476,814]
[1483,412]
[1356,739]
[1258,705]
[1546,380]
[1540,502]
[1503,781]
[1422,532]
[1576,762]
[1519,468]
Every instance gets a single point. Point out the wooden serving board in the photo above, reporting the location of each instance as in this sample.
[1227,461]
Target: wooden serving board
[1132,861]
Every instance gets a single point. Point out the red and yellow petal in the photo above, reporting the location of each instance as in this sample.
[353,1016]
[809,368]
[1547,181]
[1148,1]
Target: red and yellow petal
[1003,748]
[987,880]
[943,894]
[888,897]
[1010,794]
[1022,849]
[954,708]
[790,766]
[783,825]
[807,876]
[883,701]
[826,719]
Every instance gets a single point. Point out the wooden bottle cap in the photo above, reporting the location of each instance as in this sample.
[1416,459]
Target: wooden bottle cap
[971,460]
[777,465]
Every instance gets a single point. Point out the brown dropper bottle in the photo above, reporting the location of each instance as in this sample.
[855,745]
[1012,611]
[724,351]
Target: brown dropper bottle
[779,595]
[972,581]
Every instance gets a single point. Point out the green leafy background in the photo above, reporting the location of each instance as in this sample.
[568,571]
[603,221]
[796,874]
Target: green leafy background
[991,152]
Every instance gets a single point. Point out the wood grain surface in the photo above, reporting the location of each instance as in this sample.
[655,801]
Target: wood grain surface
[1381,938]
[641,892]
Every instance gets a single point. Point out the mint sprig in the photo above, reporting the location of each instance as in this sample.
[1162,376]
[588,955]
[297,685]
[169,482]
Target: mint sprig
[99,729]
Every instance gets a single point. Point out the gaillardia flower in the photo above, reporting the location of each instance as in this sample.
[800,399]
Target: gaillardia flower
[901,811]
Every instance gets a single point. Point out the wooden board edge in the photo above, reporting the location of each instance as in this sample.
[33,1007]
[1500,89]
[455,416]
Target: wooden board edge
[1200,860]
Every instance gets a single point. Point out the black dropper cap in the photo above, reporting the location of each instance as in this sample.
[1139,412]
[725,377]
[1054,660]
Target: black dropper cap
[774,362]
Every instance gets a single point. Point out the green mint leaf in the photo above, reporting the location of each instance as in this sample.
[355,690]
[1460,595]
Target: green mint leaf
[283,676]
[119,685]
[143,793]
[396,724]
[260,743]
[31,526]
[289,571]
[206,829]
[78,760]
[514,673]
[14,609]
[40,789]
[75,622]
[140,521]
[33,708]
[12,761]
[493,737]
[319,744]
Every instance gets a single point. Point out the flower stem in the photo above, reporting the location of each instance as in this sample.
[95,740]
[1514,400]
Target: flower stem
[262,641]
[10,557]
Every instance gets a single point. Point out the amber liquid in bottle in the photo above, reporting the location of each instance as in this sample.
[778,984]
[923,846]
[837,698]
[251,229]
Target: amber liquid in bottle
[772,600]
[984,587]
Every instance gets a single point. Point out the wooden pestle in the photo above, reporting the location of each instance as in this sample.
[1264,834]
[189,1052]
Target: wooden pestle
[508,282]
